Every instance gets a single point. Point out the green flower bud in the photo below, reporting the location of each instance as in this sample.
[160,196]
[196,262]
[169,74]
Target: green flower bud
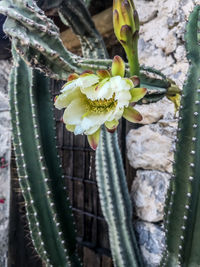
[126,28]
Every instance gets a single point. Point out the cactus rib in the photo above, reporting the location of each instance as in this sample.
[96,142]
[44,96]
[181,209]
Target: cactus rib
[182,216]
[22,173]
[46,192]
[115,201]
[78,17]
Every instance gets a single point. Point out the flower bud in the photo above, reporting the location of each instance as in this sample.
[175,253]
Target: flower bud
[126,28]
[124,15]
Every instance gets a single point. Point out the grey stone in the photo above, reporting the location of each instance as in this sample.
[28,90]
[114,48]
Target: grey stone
[151,146]
[5,67]
[162,33]
[148,194]
[151,240]
[163,109]
[5,154]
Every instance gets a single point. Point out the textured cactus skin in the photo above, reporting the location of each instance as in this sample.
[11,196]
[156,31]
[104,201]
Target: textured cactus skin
[115,202]
[36,40]
[111,178]
[39,44]
[182,210]
[41,180]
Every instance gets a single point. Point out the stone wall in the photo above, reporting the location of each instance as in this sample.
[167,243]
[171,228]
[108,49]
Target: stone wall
[5,149]
[150,148]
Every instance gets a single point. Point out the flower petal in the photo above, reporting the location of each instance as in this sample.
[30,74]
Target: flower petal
[123,98]
[70,127]
[120,84]
[135,80]
[74,112]
[90,92]
[86,72]
[132,115]
[137,94]
[70,85]
[176,100]
[116,23]
[103,74]
[93,139]
[118,66]
[104,91]
[126,34]
[72,77]
[116,114]
[111,125]
[93,119]
[88,80]
[63,100]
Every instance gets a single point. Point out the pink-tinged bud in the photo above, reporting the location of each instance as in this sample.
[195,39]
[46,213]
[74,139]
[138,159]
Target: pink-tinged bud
[116,24]
[118,66]
[93,139]
[86,73]
[135,80]
[136,20]
[55,98]
[127,14]
[72,77]
[126,28]
[103,74]
[124,13]
[126,35]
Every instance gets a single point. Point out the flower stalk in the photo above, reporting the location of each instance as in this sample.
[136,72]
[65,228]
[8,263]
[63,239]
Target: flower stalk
[126,28]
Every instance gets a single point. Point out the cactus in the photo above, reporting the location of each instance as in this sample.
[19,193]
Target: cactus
[41,181]
[115,202]
[182,204]
[37,42]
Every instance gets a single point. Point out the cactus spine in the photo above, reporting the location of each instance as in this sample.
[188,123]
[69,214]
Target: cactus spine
[48,213]
[36,39]
[115,202]
[183,207]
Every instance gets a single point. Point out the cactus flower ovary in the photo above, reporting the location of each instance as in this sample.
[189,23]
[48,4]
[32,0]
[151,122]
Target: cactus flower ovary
[91,100]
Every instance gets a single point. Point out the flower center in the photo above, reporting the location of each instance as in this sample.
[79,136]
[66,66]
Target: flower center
[102,105]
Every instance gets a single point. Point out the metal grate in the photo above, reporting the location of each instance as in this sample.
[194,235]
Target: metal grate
[78,161]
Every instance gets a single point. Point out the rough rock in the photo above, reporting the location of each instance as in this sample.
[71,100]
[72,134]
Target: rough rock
[162,34]
[151,240]
[5,150]
[161,45]
[163,109]
[148,194]
[151,146]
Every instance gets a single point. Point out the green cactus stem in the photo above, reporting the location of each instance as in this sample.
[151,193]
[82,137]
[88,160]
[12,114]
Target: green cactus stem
[37,41]
[182,218]
[39,170]
[111,180]
[39,44]
[74,13]
[22,173]
[115,202]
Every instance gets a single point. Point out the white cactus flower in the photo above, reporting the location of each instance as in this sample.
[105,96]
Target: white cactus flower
[91,100]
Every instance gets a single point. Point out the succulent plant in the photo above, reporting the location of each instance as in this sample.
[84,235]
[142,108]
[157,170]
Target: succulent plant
[182,205]
[38,47]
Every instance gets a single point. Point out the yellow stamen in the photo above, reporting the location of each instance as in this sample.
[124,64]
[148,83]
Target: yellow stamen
[102,105]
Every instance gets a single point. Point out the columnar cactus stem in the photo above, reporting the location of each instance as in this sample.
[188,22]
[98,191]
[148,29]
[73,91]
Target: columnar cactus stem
[41,181]
[37,41]
[78,17]
[115,202]
[22,174]
[182,217]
